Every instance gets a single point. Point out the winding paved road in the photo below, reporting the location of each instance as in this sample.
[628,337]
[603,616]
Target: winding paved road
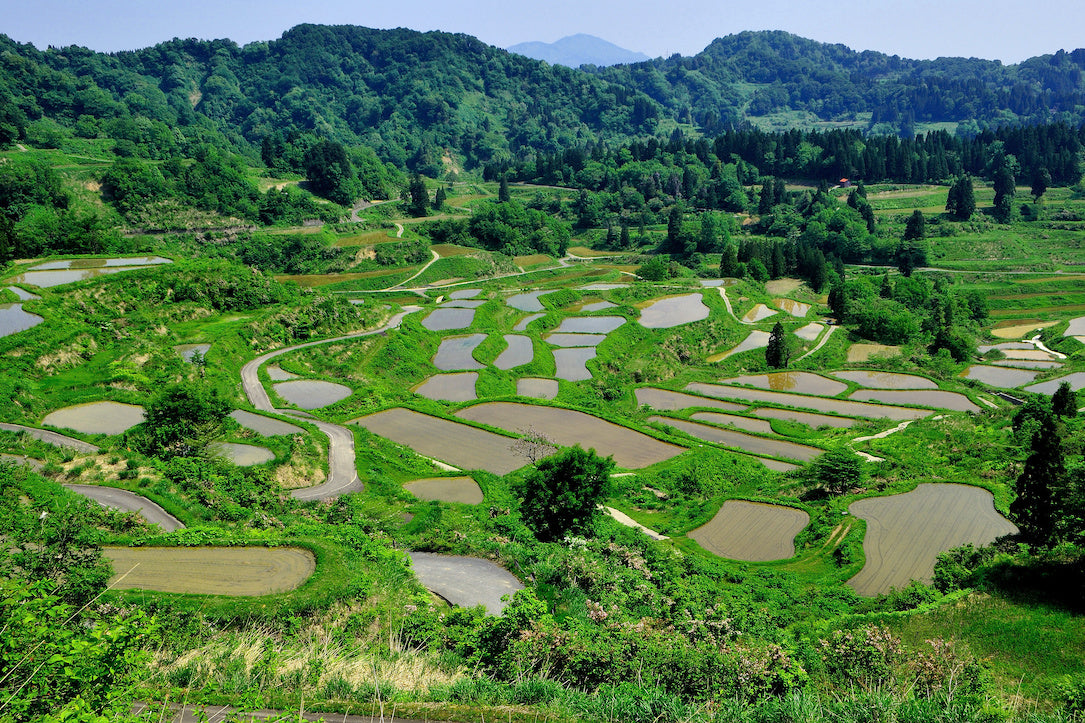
[57,440]
[342,472]
[128,502]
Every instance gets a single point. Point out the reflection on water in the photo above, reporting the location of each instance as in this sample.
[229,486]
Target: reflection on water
[590,324]
[795,308]
[527,302]
[454,353]
[57,273]
[886,380]
[673,311]
[522,324]
[1003,377]
[802,382]
[1076,380]
[243,455]
[756,340]
[571,363]
[312,393]
[449,387]
[520,351]
[758,313]
[13,319]
[262,425]
[928,398]
[443,319]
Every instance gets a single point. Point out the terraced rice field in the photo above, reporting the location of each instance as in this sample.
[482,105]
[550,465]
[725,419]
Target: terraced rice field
[795,308]
[866,352]
[445,319]
[572,364]
[235,571]
[446,489]
[465,581]
[262,425]
[808,418]
[522,324]
[455,353]
[756,340]
[13,319]
[537,388]
[758,313]
[243,455]
[312,393]
[751,531]
[886,380]
[673,311]
[810,332]
[457,444]
[449,387]
[1002,377]
[905,533]
[589,324]
[518,352]
[749,424]
[667,401]
[574,340]
[746,442]
[818,404]
[527,301]
[801,382]
[631,449]
[96,417]
[927,397]
[1076,380]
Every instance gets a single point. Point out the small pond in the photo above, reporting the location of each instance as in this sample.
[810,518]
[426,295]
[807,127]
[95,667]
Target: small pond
[738,440]
[1076,380]
[522,324]
[667,401]
[733,420]
[575,339]
[189,351]
[1002,377]
[13,319]
[758,313]
[925,397]
[446,489]
[571,364]
[752,531]
[243,455]
[801,382]
[96,417]
[312,393]
[537,388]
[590,324]
[444,319]
[265,426]
[449,387]
[795,308]
[519,351]
[454,353]
[673,311]
[756,340]
[885,380]
[527,302]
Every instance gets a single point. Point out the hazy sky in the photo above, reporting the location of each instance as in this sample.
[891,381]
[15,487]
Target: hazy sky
[995,29]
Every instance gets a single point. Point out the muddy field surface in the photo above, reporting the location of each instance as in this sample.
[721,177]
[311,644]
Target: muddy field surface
[745,442]
[751,531]
[537,388]
[760,426]
[667,401]
[905,533]
[927,397]
[801,382]
[449,387]
[818,404]
[886,380]
[673,311]
[519,351]
[235,571]
[96,417]
[808,418]
[631,449]
[312,393]
[446,489]
[457,444]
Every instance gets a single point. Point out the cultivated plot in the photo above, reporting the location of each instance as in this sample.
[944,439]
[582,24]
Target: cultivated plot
[927,397]
[667,401]
[446,489]
[906,533]
[449,387]
[312,393]
[745,442]
[751,531]
[96,417]
[465,581]
[236,571]
[673,311]
[801,382]
[818,404]
[885,380]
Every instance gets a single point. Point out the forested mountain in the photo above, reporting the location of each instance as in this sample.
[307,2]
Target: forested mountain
[577,50]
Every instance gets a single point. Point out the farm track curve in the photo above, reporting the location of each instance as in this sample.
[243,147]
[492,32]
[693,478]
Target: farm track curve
[53,438]
[126,501]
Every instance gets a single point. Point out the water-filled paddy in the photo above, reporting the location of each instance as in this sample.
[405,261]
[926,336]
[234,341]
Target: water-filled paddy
[444,319]
[750,425]
[1026,364]
[458,444]
[905,533]
[756,340]
[518,352]
[1002,377]
[265,426]
[667,401]
[570,340]
[465,581]
[312,393]
[597,306]
[927,397]
[1076,380]
[818,404]
[716,283]
[98,263]
[1076,327]
[810,332]
[885,380]
[522,324]
[277,374]
[23,294]
[446,489]
[567,427]
[795,308]
[745,442]
[527,302]
[96,417]
[454,353]
[673,311]
[589,324]
[465,293]
[56,273]
[243,455]
[189,351]
[1015,331]
[537,388]
[449,387]
[571,364]
[462,304]
[13,319]
[801,382]
[752,531]
[758,313]
[238,571]
[808,418]
[602,287]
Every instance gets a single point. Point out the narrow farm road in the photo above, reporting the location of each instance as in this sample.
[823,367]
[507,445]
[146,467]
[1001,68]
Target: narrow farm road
[57,440]
[421,271]
[820,343]
[128,502]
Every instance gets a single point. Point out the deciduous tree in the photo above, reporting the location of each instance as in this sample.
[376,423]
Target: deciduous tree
[561,495]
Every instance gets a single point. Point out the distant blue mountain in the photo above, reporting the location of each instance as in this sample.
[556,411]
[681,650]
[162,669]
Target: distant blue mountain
[576,50]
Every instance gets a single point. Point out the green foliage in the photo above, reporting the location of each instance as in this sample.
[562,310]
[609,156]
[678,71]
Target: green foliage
[516,230]
[330,173]
[561,494]
[183,419]
[779,349]
[656,268]
[837,471]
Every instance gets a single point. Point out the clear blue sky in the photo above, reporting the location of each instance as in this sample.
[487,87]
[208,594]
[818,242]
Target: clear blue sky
[994,29]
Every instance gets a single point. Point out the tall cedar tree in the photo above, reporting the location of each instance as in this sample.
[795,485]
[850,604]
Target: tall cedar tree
[916,227]
[1043,476]
[503,195]
[962,198]
[777,355]
[561,495]
[417,196]
[1064,401]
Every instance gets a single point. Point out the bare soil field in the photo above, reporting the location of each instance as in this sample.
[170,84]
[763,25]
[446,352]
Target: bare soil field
[801,382]
[631,449]
[751,531]
[905,533]
[927,397]
[238,571]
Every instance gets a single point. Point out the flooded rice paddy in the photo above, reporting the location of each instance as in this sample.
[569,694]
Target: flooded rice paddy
[1025,364]
[866,352]
[57,273]
[522,324]
[446,489]
[265,426]
[528,301]
[817,404]
[13,319]
[1076,327]
[749,424]
[756,340]
[570,340]
[747,443]
[667,401]
[906,533]
[752,531]
[1076,380]
[758,313]
[465,581]
[312,393]
[537,388]
[808,418]
[782,287]
[927,397]
[673,311]
[463,304]
[571,364]
[597,306]
[455,353]
[444,319]
[1016,331]
[23,294]
[602,287]
[449,387]
[997,376]
[716,283]
[235,571]
[631,449]
[465,293]
[886,380]
[189,351]
[96,417]
[795,308]
[589,324]
[277,374]
[457,444]
[810,332]
[243,455]
[802,382]
[519,351]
